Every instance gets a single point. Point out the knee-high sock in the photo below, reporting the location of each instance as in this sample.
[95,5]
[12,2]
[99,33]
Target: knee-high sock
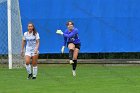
[35,71]
[28,68]
[71,54]
[74,65]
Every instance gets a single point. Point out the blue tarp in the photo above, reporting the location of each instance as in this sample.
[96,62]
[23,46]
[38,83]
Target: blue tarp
[104,25]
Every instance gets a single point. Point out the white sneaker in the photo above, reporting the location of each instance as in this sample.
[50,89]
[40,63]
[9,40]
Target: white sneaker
[74,73]
[71,62]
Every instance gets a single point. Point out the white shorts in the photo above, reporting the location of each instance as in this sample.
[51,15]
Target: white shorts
[31,54]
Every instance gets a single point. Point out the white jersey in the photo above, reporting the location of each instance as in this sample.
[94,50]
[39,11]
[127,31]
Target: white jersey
[30,41]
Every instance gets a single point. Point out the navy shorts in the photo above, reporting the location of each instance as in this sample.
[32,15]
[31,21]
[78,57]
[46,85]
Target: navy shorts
[76,45]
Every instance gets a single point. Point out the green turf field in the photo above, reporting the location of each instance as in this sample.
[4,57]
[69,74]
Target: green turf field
[58,79]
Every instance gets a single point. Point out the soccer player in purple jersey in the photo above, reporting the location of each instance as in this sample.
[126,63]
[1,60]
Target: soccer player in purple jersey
[73,43]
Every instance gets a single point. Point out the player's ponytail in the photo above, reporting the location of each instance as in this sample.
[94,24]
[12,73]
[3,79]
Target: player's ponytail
[34,31]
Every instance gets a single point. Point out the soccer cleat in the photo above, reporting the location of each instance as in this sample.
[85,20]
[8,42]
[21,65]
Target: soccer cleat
[74,73]
[30,76]
[71,62]
[34,78]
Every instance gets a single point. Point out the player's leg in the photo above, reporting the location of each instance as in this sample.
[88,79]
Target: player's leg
[28,66]
[34,63]
[71,47]
[74,65]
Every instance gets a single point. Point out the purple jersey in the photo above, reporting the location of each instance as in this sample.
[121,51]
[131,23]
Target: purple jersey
[71,36]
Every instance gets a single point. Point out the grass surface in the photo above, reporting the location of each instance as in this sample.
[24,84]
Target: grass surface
[58,79]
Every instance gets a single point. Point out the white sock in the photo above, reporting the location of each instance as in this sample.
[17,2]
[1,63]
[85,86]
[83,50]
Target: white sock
[73,71]
[28,68]
[35,71]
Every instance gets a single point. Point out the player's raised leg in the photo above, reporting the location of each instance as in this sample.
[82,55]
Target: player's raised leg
[71,47]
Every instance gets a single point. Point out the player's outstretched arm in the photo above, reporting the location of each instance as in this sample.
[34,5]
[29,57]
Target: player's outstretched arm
[70,35]
[59,32]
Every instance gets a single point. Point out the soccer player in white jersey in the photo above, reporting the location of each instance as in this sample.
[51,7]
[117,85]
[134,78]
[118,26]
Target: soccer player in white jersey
[31,39]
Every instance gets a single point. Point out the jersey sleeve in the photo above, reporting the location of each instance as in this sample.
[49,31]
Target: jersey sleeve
[71,34]
[37,36]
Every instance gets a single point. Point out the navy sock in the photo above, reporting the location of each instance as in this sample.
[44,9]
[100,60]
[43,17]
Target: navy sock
[74,65]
